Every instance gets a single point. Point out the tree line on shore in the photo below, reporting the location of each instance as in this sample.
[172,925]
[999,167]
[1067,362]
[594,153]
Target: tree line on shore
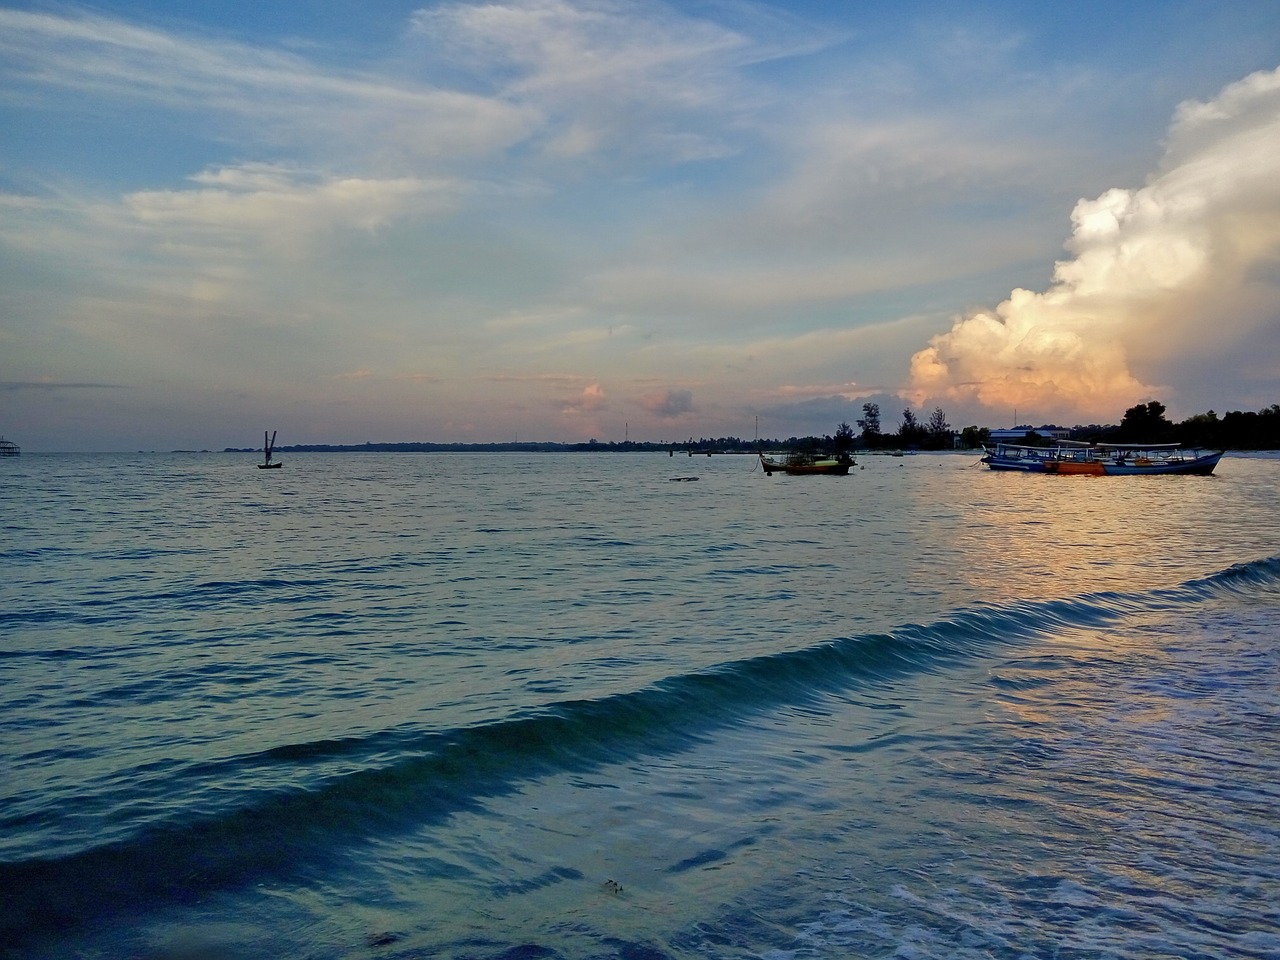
[1143,423]
[1235,430]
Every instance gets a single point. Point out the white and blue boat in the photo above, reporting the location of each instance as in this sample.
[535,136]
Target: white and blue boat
[1102,459]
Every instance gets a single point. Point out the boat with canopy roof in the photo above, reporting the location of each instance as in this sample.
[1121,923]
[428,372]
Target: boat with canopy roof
[1102,459]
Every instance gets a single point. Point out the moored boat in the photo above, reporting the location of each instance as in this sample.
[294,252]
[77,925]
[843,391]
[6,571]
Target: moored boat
[268,447]
[1102,459]
[798,464]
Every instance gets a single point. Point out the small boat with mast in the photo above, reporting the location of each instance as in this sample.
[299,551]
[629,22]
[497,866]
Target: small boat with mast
[268,447]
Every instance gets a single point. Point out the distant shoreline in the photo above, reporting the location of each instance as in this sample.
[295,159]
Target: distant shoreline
[626,447]
[512,447]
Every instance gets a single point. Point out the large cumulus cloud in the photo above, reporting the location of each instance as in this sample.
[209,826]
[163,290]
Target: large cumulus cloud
[1183,265]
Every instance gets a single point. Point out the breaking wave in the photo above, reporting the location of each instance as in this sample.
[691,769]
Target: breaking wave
[398,780]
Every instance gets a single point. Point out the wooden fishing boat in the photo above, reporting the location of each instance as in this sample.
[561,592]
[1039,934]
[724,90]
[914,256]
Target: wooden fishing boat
[1102,459]
[267,447]
[799,464]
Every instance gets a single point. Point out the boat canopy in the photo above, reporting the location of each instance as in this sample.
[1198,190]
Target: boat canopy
[1138,446]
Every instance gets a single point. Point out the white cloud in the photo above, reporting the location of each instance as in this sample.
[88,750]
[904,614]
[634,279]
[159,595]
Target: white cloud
[848,163]
[810,391]
[669,404]
[234,236]
[273,96]
[591,400]
[1156,272]
[561,46]
[635,78]
[270,201]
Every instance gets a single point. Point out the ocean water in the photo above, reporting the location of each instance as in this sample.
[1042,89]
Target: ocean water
[559,706]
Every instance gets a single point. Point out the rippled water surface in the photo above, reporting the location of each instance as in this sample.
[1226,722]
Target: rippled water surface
[550,705]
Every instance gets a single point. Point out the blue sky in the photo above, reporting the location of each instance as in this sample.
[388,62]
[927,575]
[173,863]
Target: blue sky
[558,220]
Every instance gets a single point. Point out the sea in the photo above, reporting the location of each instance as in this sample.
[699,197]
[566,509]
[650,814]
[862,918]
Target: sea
[377,706]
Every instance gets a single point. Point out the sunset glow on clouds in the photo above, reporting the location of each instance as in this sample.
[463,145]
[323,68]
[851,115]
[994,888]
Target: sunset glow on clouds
[1185,264]
[563,219]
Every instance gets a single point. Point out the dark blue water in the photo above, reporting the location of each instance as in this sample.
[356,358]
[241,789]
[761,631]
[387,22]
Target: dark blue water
[560,706]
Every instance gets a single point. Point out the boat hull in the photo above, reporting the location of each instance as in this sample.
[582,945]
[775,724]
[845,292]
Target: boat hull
[1016,466]
[1086,468]
[1116,467]
[830,468]
[1198,466]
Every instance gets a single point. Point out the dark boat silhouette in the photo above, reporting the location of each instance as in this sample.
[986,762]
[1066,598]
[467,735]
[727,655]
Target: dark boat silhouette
[267,447]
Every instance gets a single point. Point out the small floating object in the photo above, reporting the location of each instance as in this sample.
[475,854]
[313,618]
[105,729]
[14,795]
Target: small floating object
[682,479]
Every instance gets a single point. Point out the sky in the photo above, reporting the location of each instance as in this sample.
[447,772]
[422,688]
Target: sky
[562,220]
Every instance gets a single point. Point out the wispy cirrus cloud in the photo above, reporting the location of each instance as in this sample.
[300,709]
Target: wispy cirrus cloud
[55,385]
[213,238]
[270,199]
[638,78]
[270,95]
[808,391]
